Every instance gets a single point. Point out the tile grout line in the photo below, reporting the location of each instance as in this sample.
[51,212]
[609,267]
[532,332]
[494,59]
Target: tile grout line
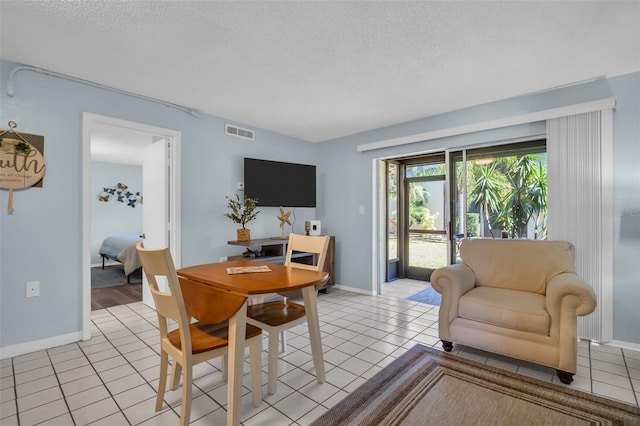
[64,398]
[15,389]
[102,380]
[128,362]
[590,367]
[626,366]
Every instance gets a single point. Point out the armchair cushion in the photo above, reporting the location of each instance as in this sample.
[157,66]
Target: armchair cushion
[513,309]
[524,265]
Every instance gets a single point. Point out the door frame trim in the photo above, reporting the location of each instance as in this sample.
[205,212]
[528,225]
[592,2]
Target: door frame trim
[88,121]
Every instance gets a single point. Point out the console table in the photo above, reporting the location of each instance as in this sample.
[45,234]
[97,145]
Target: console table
[273,250]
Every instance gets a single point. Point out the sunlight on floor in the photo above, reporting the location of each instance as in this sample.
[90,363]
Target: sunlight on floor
[403,288]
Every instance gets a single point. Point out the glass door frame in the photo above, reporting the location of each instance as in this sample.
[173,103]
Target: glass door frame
[455,237]
[435,158]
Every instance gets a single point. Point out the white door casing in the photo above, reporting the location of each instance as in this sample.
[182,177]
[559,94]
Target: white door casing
[173,207]
[155,214]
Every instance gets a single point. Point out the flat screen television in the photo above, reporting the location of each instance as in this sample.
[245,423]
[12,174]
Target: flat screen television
[275,183]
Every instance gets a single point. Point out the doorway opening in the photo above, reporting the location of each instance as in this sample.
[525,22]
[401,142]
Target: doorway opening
[149,207]
[416,216]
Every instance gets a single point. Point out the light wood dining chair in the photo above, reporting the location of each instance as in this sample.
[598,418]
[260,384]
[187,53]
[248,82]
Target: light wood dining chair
[277,316]
[193,342]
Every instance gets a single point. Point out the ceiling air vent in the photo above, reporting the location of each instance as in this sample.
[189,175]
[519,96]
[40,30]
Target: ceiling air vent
[239,132]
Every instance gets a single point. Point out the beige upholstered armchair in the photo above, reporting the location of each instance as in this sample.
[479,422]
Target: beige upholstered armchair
[519,298]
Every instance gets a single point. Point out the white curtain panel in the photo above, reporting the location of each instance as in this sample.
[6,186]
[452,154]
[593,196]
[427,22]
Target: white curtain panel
[579,188]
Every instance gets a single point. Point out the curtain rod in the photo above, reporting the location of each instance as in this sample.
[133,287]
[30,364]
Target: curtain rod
[11,87]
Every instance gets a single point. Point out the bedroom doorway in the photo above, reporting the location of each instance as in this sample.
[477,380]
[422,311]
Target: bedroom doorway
[124,152]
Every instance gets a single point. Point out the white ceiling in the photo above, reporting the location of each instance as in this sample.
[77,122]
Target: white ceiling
[321,70]
[111,144]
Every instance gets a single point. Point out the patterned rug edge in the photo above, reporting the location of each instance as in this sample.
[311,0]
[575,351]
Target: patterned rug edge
[391,385]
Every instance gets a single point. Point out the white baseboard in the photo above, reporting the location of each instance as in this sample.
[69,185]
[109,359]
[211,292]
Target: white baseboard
[38,345]
[354,289]
[624,345]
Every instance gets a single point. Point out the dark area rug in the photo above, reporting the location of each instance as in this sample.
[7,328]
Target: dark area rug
[112,276]
[426,386]
[428,295]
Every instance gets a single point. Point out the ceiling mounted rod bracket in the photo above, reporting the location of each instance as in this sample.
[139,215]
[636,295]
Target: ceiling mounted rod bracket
[11,87]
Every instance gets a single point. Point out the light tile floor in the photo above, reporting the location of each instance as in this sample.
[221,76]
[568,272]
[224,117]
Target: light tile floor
[111,379]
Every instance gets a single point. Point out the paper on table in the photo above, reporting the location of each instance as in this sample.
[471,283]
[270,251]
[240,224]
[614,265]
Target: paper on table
[247,269]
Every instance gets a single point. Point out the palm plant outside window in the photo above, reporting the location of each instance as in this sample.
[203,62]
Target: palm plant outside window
[500,190]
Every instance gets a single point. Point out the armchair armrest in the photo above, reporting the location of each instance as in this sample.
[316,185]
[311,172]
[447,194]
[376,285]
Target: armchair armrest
[568,296]
[452,282]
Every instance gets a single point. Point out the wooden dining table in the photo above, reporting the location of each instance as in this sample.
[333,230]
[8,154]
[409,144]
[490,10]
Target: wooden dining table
[279,278]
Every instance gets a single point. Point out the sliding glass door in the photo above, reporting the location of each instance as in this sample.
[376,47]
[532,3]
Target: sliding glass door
[498,192]
[434,201]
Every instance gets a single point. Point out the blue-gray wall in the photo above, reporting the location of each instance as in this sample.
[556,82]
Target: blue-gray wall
[113,217]
[42,239]
[626,207]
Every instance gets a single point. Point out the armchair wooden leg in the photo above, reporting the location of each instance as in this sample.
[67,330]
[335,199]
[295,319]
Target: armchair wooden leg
[446,345]
[565,377]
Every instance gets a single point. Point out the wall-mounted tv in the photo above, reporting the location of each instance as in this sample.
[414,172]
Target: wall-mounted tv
[275,183]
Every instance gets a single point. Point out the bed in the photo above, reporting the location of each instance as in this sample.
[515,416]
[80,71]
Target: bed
[122,248]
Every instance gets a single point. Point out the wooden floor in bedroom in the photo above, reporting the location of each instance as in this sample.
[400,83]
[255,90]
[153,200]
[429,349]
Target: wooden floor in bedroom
[110,287]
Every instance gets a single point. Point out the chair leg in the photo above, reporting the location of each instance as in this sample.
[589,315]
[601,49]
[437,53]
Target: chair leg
[185,412]
[313,323]
[162,383]
[283,336]
[272,368]
[223,367]
[255,359]
[176,371]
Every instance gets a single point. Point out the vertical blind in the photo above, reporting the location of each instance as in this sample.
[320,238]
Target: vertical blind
[576,156]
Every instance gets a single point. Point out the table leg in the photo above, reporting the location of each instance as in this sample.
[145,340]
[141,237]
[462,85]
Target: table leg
[237,331]
[311,308]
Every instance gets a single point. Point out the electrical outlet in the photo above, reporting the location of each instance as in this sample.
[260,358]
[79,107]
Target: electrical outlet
[223,259]
[240,185]
[33,288]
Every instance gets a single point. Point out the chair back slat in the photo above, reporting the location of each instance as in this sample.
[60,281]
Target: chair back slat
[315,244]
[209,304]
[159,263]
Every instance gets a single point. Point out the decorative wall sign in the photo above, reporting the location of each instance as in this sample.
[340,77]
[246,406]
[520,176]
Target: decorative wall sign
[121,194]
[21,161]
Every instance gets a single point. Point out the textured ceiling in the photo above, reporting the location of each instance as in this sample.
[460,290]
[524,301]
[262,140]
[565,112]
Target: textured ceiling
[321,70]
